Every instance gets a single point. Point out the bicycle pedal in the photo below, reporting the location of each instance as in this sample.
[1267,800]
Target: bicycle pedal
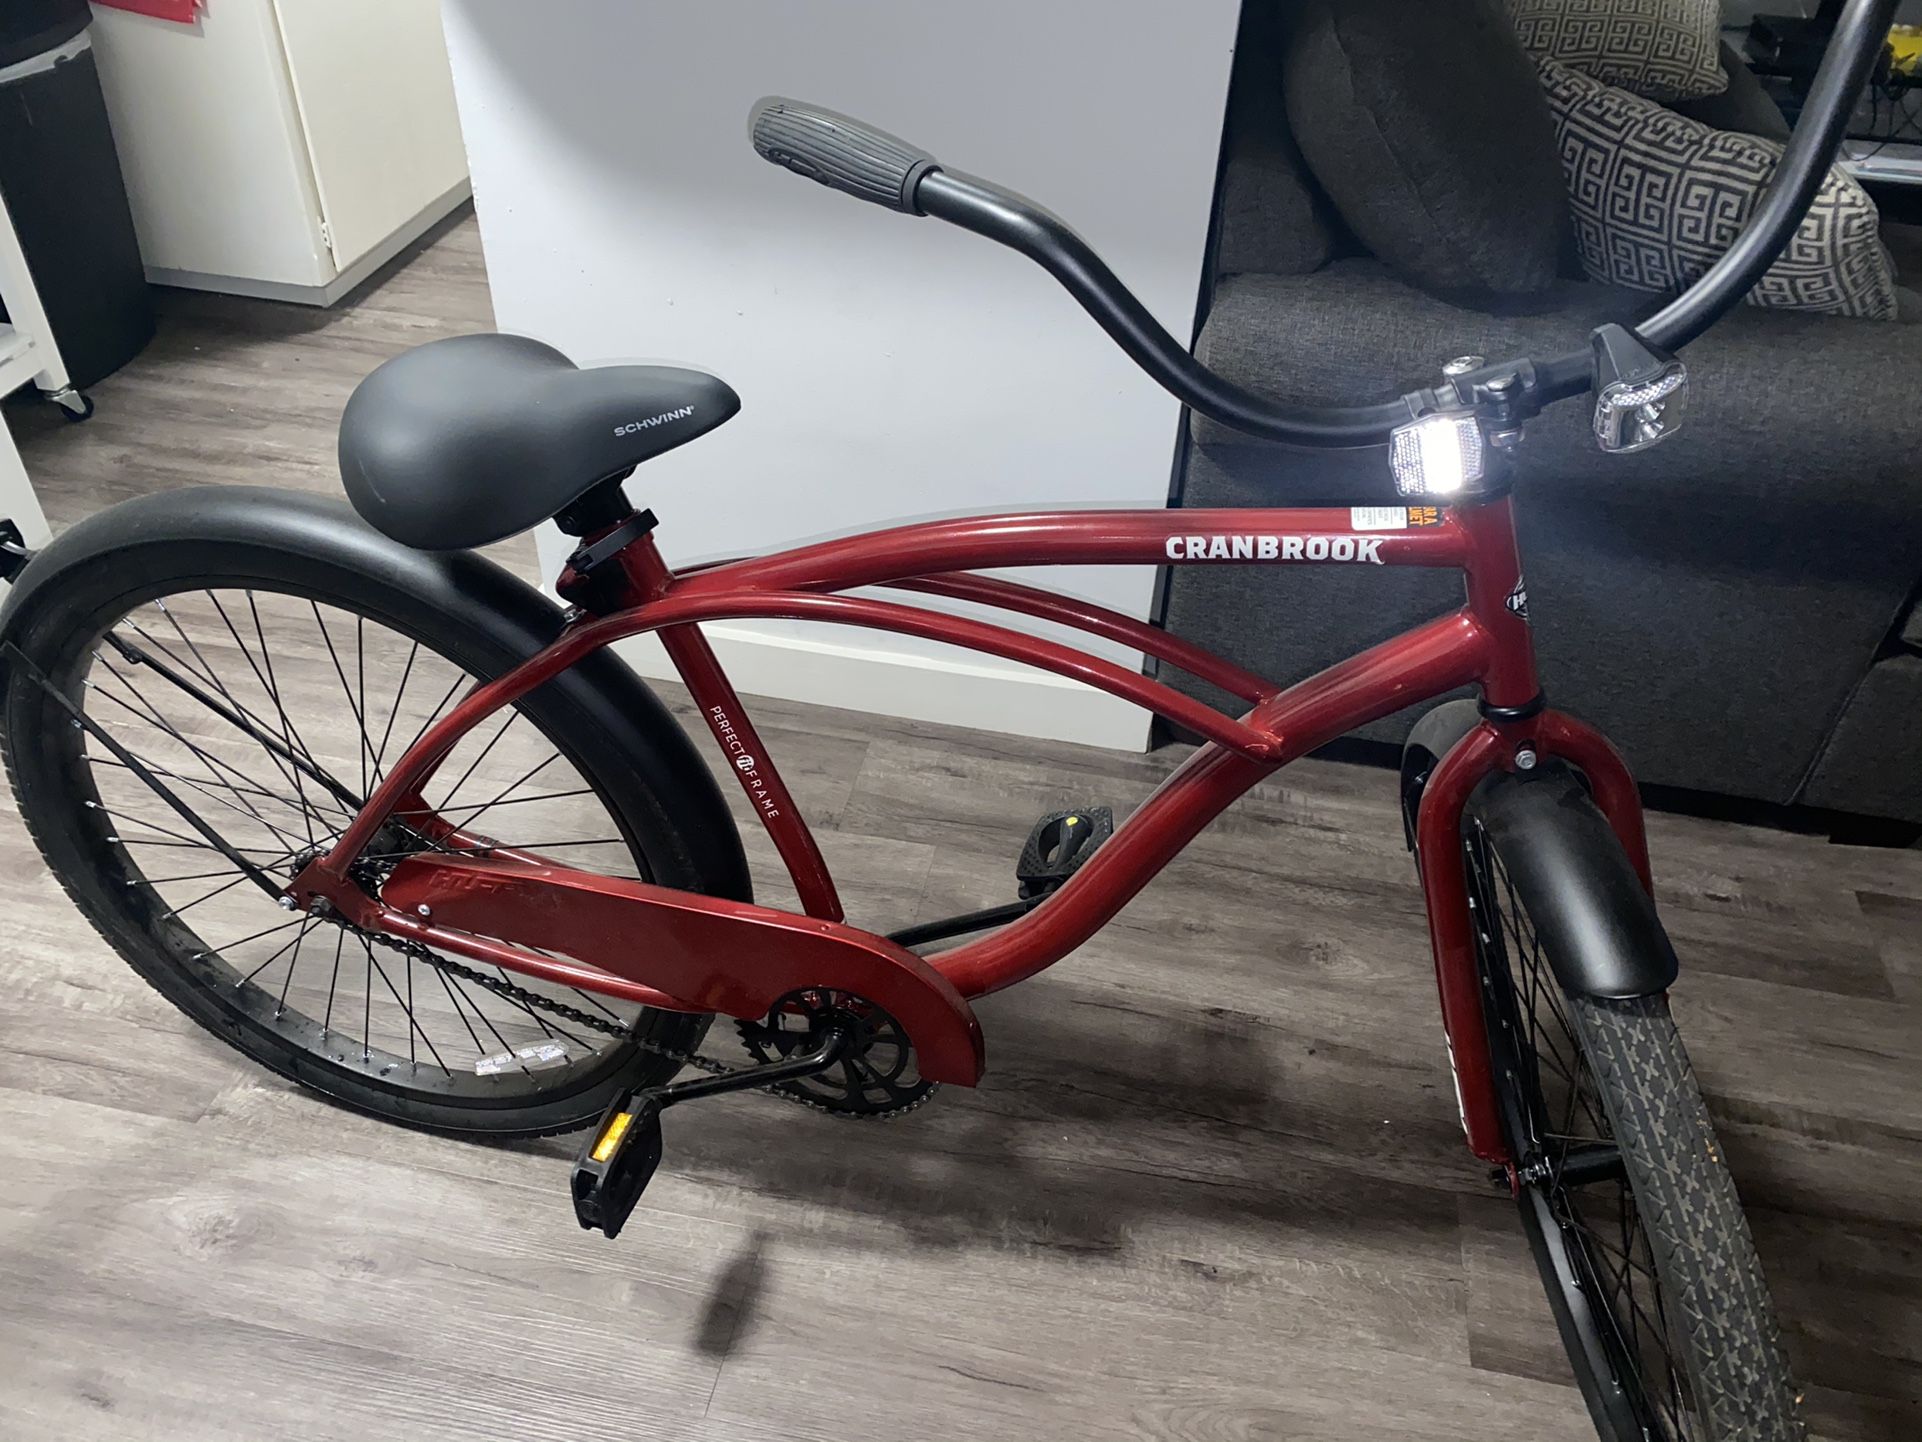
[1057,846]
[617,1163]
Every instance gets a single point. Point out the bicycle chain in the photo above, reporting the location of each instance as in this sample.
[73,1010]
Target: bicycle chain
[500,986]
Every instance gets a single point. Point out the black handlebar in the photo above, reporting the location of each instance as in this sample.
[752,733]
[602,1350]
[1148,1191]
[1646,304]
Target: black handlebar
[872,165]
[1860,34]
[1044,238]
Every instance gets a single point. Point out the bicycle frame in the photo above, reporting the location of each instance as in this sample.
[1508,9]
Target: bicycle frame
[712,954]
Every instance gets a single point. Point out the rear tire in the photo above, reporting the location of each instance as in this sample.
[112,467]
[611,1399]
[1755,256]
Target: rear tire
[105,858]
[1647,1258]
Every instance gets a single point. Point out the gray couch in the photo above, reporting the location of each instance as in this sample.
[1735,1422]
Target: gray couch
[1736,608]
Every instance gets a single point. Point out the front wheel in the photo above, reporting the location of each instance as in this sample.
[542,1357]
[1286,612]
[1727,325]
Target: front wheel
[1629,1208]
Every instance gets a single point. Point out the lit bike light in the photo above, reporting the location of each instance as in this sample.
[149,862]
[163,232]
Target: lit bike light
[1437,455]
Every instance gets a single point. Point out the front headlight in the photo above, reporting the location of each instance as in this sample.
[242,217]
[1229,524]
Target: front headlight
[1438,455]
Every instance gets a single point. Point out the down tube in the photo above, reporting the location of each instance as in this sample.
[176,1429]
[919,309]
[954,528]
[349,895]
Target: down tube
[1445,653]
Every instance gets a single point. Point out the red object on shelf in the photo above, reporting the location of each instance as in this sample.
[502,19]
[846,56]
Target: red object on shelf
[181,10]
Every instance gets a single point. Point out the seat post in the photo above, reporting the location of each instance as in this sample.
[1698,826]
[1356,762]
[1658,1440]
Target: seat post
[600,509]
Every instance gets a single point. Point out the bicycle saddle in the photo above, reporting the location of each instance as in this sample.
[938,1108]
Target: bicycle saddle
[466,441]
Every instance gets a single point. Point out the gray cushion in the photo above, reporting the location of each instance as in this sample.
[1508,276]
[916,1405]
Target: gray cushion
[1745,106]
[1661,49]
[1657,197]
[1272,218]
[1749,568]
[1427,128]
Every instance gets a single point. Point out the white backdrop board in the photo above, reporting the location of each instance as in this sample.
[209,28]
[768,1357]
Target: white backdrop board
[890,367]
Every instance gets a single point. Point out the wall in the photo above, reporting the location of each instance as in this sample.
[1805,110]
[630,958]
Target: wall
[890,367]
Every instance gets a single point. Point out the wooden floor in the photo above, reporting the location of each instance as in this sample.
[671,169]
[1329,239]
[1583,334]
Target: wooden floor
[1213,1187]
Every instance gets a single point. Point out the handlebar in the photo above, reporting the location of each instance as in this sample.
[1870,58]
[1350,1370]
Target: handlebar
[868,163]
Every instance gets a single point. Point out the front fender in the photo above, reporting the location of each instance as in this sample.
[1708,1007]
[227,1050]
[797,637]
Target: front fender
[1595,920]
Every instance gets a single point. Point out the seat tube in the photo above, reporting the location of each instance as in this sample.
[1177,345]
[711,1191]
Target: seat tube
[733,730]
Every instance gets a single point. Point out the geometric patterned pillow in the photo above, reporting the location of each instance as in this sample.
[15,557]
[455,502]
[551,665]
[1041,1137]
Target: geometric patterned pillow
[1656,198]
[1660,49]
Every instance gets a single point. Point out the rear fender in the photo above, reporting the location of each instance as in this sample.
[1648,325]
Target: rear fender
[638,750]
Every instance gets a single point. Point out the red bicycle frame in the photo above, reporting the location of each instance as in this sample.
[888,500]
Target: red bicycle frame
[689,952]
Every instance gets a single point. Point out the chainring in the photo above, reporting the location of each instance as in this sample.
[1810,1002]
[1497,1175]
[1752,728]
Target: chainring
[879,1076]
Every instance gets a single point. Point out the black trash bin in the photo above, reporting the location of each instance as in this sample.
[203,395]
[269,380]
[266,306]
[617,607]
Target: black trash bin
[61,179]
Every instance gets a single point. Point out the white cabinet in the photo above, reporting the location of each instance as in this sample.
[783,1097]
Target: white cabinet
[282,148]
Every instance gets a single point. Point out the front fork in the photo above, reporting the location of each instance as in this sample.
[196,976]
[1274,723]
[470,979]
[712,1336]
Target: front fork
[1438,807]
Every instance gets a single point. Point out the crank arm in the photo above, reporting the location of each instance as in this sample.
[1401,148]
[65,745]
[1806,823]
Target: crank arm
[830,1051]
[16,657]
[141,657]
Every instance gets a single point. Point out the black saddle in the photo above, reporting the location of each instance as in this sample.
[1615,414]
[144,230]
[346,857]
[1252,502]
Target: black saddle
[466,441]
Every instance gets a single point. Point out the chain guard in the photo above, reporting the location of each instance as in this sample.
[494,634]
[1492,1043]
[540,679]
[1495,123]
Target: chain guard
[878,1078]
[896,1087]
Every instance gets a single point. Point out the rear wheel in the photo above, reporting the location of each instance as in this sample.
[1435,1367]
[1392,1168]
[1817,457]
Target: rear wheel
[343,675]
[1629,1209]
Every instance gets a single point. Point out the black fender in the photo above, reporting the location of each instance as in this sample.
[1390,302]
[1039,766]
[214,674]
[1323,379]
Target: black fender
[1595,920]
[638,749]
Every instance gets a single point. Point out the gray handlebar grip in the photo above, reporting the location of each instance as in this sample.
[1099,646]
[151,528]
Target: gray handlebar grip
[839,151]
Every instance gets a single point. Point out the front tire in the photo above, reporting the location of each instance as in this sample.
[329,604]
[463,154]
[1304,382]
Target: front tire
[1629,1207]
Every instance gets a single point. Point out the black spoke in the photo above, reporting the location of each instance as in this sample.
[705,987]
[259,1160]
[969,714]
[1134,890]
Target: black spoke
[493,741]
[264,823]
[479,1049]
[215,766]
[434,715]
[500,800]
[169,880]
[550,1028]
[206,670]
[360,722]
[393,711]
[305,923]
[236,714]
[201,786]
[260,678]
[217,891]
[333,985]
[414,1027]
[288,732]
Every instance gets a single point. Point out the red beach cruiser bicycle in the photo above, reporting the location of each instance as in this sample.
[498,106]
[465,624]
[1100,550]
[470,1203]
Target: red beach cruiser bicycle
[381,817]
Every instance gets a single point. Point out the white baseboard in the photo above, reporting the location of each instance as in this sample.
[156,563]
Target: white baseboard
[347,280]
[985,695]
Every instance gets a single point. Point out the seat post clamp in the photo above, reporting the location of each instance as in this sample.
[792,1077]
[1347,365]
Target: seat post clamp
[586,558]
[579,584]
